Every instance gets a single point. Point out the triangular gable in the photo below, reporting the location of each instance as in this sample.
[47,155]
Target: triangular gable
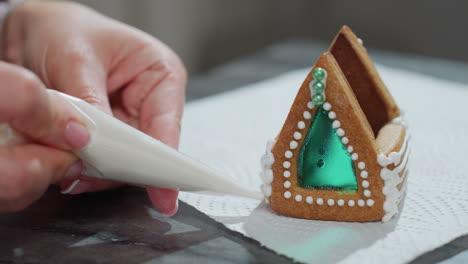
[352,57]
[287,196]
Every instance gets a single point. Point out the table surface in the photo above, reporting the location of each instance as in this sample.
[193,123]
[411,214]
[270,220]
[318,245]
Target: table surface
[120,226]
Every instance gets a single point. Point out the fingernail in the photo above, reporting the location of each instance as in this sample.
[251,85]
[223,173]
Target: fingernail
[73,172]
[77,187]
[174,211]
[70,187]
[76,135]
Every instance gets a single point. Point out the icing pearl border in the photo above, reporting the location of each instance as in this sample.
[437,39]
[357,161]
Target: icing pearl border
[361,166]
[392,178]
[392,197]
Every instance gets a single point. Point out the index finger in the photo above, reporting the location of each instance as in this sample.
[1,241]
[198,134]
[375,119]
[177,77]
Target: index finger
[160,117]
[161,112]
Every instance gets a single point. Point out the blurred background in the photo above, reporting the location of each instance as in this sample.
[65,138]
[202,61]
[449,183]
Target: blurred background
[206,33]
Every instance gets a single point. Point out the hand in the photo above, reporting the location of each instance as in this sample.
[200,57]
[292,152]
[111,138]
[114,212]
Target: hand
[27,168]
[119,69]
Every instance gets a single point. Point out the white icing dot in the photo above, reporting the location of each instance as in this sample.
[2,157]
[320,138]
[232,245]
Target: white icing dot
[370,202]
[367,193]
[365,184]
[331,202]
[309,200]
[287,184]
[350,149]
[301,125]
[287,194]
[340,132]
[297,135]
[298,198]
[361,165]
[327,106]
[319,201]
[307,115]
[336,124]
[286,174]
[340,202]
[364,174]
[351,203]
[361,203]
[293,144]
[360,41]
[332,115]
[345,140]
[310,105]
[355,156]
[288,154]
[287,164]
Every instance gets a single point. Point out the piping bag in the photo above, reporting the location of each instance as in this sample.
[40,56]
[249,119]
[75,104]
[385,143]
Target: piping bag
[122,153]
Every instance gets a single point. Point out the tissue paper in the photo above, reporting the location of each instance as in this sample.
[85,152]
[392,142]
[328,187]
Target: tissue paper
[229,132]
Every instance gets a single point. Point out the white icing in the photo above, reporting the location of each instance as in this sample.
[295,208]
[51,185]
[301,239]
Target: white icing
[287,164]
[370,202]
[350,149]
[267,174]
[319,201]
[336,124]
[345,140]
[286,174]
[298,198]
[340,132]
[331,202]
[361,165]
[355,156]
[367,193]
[392,178]
[327,106]
[287,184]
[297,135]
[340,202]
[351,203]
[288,154]
[360,41]
[301,125]
[293,144]
[307,115]
[364,174]
[310,105]
[365,184]
[266,190]
[309,200]
[361,203]
[332,115]
[287,194]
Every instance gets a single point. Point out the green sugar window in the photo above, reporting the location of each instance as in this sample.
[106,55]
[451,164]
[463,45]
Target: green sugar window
[324,162]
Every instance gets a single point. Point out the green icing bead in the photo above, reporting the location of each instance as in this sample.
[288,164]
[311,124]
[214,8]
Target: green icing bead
[319,86]
[318,99]
[323,161]
[319,74]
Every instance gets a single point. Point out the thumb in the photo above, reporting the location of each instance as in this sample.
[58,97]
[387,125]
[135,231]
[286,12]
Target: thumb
[43,117]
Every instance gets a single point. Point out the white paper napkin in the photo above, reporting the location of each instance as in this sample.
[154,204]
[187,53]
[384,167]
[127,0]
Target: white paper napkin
[229,132]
